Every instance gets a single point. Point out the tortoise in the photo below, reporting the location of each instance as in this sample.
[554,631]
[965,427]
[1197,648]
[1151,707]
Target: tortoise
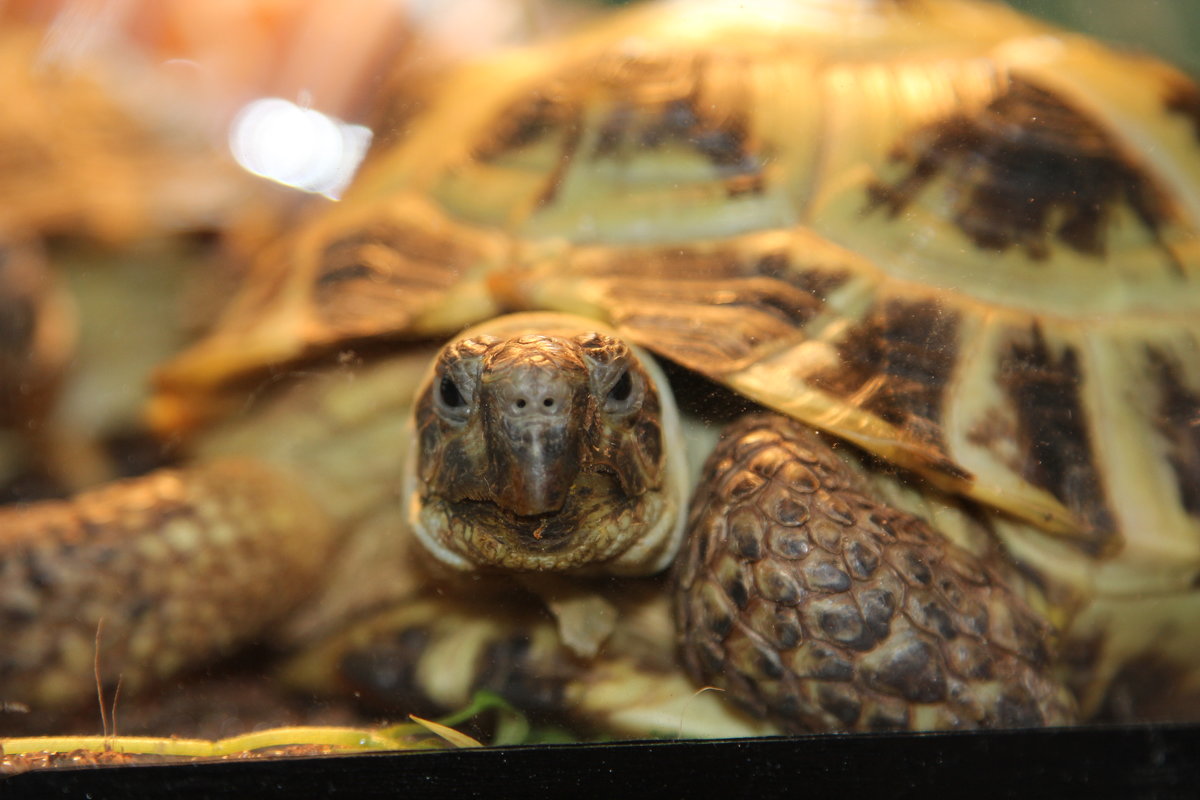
[943,257]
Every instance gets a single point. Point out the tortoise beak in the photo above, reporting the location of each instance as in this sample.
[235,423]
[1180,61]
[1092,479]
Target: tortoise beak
[532,418]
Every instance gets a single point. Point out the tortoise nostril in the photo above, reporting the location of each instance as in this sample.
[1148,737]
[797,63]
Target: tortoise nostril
[547,402]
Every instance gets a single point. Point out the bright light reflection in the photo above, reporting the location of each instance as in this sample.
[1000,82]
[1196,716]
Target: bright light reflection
[297,146]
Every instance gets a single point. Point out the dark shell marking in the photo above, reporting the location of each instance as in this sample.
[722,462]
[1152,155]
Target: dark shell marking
[746,299]
[1183,97]
[1178,421]
[385,272]
[859,617]
[1044,387]
[646,104]
[1026,168]
[902,355]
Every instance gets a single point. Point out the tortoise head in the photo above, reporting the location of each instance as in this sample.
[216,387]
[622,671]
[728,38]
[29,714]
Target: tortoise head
[540,446]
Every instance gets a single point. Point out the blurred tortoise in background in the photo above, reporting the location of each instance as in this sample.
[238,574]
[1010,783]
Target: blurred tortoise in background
[111,182]
[960,244]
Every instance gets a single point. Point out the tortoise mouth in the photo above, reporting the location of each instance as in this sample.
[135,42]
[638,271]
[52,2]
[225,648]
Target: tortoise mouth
[597,523]
[590,509]
[543,532]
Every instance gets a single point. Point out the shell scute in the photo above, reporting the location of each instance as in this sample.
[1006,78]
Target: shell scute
[1025,168]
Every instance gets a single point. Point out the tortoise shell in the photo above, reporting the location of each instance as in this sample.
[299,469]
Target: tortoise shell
[959,238]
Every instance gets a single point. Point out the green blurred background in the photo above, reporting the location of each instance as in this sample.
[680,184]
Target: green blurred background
[1170,28]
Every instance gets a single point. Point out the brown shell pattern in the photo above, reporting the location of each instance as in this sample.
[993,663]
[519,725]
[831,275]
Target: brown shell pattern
[965,241]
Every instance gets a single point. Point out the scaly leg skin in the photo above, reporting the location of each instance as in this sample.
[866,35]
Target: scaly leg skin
[821,608]
[159,572]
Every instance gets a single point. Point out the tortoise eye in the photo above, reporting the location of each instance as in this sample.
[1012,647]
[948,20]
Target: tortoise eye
[451,396]
[621,390]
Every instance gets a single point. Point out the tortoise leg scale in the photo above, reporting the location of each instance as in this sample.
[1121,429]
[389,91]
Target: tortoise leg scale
[157,572]
[820,608]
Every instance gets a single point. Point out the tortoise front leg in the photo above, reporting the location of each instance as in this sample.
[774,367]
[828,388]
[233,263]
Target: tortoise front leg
[157,572]
[822,608]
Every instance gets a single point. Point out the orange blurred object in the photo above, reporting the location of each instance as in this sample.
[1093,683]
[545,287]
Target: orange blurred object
[329,54]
